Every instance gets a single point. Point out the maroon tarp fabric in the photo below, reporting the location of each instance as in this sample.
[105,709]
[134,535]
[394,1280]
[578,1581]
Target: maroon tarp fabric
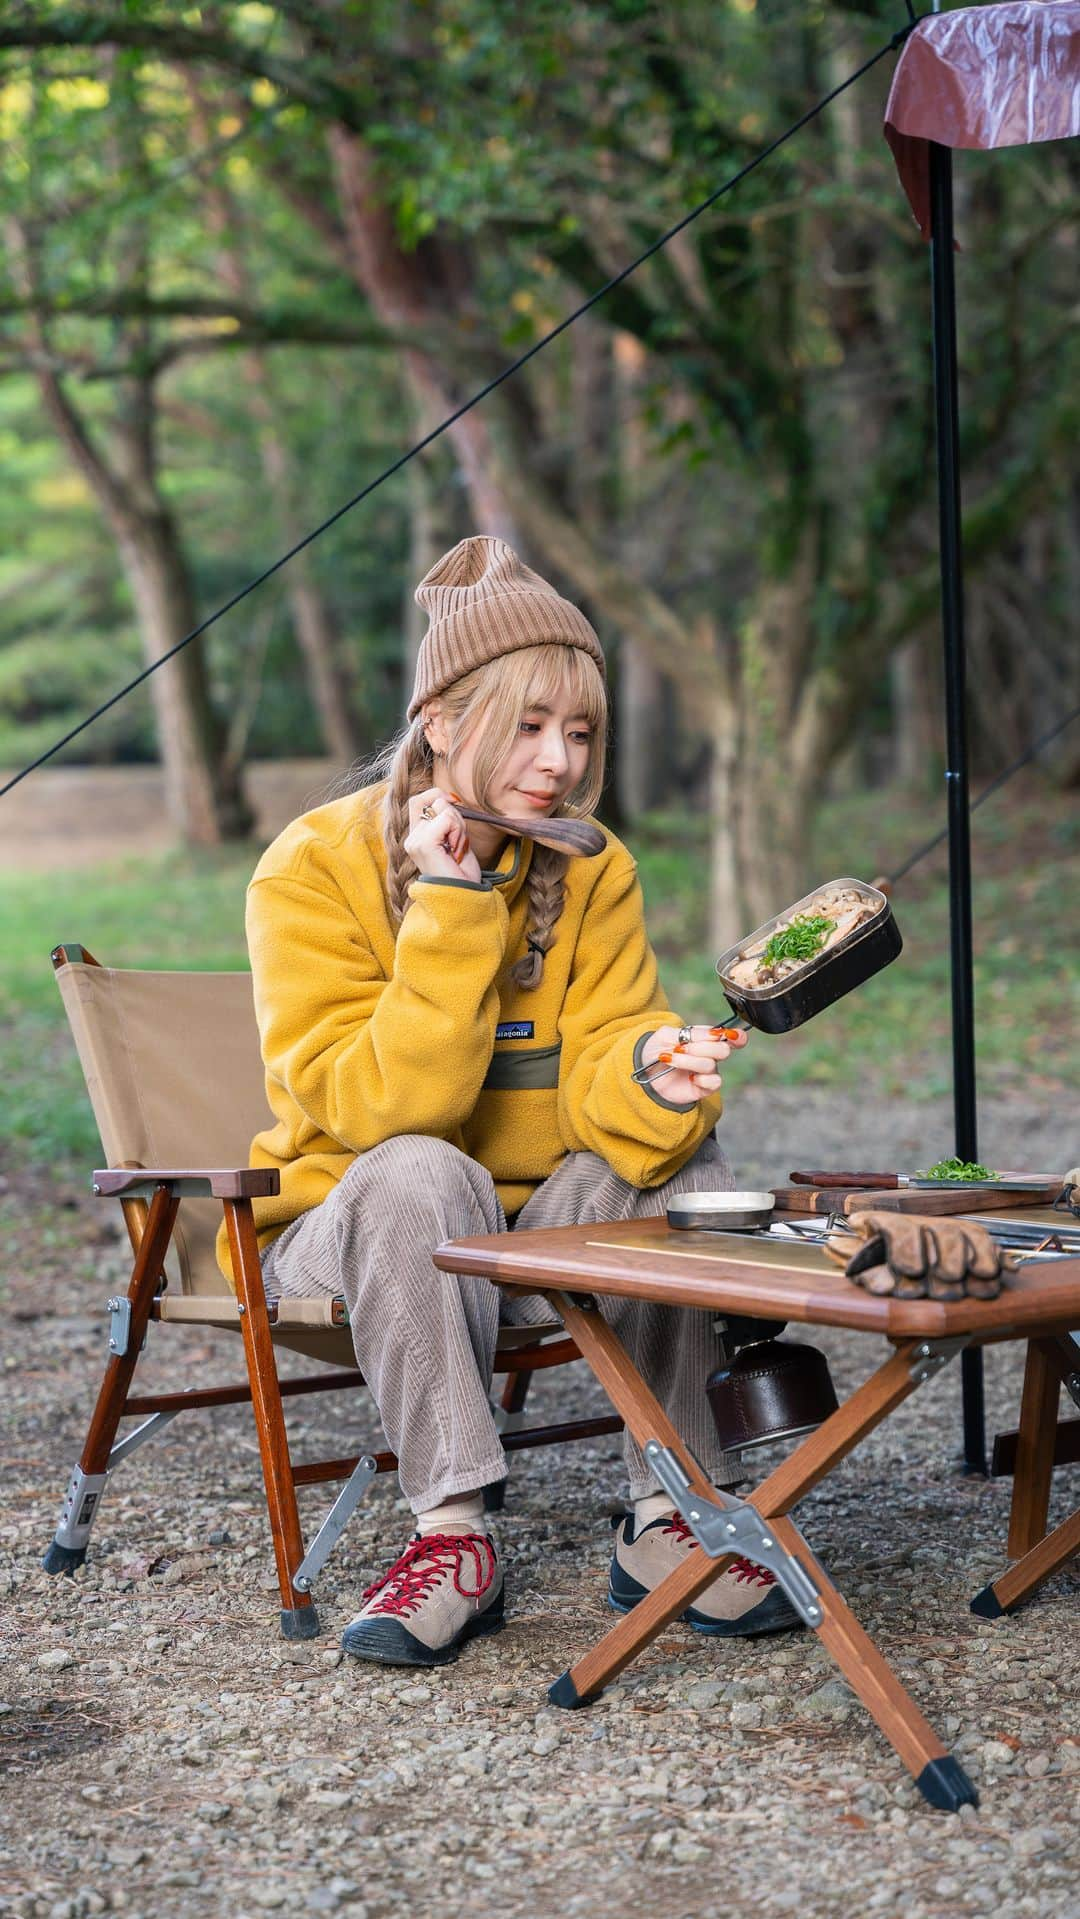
[993,76]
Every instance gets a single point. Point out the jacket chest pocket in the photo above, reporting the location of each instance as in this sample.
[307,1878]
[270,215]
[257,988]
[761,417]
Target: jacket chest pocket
[530,1070]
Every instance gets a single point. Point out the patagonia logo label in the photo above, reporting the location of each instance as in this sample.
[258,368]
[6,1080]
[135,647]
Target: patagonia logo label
[514,1029]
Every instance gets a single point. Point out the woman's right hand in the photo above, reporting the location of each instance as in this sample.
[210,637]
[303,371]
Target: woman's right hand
[439,844]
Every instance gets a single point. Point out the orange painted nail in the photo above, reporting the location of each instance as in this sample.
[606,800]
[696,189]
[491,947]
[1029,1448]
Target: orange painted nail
[665,1059]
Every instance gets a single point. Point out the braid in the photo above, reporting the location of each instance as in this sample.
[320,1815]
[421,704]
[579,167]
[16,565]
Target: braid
[410,773]
[546,891]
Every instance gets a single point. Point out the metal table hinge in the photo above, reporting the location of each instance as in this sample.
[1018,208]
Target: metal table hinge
[930,1355]
[724,1524]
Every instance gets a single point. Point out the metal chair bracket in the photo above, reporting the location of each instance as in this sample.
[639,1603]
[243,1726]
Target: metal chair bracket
[724,1524]
[335,1523]
[133,1440]
[119,1311]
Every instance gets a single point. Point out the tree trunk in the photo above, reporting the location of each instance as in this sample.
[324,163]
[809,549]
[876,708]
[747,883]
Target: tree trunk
[645,718]
[726,923]
[329,684]
[433,530]
[642,757]
[204,794]
[408,291]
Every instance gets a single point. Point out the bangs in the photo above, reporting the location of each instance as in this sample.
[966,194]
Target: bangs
[496,696]
[565,672]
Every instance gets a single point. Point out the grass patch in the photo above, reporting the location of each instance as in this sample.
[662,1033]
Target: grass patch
[185,913]
[889,1038]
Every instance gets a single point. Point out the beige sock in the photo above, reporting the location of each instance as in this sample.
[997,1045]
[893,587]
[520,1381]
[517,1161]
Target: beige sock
[462,1515]
[653,1506]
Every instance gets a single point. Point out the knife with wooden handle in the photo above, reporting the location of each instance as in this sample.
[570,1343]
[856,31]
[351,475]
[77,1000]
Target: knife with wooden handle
[874,1182]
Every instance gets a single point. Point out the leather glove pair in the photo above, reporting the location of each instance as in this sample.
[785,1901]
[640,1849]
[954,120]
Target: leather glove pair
[915,1257]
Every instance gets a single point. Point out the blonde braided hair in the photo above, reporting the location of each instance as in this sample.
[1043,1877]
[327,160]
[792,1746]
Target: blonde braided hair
[545,891]
[494,697]
[410,771]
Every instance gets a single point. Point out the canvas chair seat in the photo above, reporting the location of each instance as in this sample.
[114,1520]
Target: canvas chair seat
[175,1078]
[317,1328]
[157,1049]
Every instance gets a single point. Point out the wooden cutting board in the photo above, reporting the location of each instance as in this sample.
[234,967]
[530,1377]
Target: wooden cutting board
[909,1199]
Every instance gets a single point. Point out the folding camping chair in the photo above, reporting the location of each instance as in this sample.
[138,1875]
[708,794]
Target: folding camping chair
[175,1079]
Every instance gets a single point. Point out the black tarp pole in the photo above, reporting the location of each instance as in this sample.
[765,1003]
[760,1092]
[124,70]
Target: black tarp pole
[956,773]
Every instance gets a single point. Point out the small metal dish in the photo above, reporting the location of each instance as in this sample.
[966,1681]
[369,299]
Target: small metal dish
[721,1212]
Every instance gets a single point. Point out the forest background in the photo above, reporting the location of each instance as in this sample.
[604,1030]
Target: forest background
[251,252]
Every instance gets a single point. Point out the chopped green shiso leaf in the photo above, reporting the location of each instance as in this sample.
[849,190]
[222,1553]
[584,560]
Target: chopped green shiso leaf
[802,940]
[957,1169]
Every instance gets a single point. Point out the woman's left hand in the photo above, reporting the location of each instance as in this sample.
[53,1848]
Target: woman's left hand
[692,1075]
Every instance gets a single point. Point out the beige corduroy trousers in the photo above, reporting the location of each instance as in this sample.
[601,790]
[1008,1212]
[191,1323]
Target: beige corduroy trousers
[425,1340]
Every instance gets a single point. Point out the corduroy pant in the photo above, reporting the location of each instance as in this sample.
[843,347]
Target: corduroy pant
[425,1340]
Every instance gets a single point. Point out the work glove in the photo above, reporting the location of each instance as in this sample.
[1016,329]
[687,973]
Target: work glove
[1069,1197]
[914,1257]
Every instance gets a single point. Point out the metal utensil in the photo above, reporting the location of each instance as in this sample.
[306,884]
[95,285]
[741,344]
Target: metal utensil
[720,1212]
[578,837]
[657,1068]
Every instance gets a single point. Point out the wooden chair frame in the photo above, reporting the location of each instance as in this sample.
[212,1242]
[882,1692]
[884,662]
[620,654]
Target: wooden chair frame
[567,1266]
[151,1198]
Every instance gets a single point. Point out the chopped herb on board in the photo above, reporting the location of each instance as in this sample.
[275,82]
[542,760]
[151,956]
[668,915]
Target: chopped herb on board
[957,1169]
[802,940]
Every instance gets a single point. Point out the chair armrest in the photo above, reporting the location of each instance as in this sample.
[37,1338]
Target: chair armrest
[141,1182]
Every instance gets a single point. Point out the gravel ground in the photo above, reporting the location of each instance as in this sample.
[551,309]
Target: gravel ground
[166,1753]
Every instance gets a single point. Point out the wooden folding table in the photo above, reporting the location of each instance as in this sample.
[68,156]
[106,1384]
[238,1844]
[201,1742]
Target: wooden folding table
[783,1280]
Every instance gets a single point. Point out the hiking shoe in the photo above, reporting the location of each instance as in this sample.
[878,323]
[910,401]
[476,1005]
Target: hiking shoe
[446,1588]
[742,1601]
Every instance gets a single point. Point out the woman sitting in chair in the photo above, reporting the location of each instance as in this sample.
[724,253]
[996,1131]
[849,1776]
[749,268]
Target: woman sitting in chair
[451,1020]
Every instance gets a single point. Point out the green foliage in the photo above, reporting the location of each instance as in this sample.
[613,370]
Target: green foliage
[779,396]
[50,681]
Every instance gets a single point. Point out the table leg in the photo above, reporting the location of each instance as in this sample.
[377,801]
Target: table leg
[939,1777]
[1016,1585]
[1035,1446]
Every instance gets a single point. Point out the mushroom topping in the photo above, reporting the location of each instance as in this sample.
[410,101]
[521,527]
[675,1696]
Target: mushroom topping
[798,940]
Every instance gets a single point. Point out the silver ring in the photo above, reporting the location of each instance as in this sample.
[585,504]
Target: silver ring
[686,1034]
[427,812]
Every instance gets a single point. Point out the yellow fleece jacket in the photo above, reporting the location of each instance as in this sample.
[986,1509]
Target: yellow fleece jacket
[370,1029]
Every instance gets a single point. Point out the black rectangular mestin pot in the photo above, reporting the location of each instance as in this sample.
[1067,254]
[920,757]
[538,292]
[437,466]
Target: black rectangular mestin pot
[790,1003]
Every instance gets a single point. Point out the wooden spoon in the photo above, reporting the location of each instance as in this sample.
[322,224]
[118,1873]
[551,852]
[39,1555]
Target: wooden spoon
[565,836]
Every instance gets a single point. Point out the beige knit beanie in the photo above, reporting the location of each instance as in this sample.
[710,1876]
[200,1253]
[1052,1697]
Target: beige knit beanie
[482,602]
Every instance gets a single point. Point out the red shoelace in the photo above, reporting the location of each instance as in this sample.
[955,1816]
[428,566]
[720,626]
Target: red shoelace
[412,1577]
[744,1571]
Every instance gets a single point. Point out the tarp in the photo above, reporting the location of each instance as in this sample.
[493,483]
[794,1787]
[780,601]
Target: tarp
[993,76]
